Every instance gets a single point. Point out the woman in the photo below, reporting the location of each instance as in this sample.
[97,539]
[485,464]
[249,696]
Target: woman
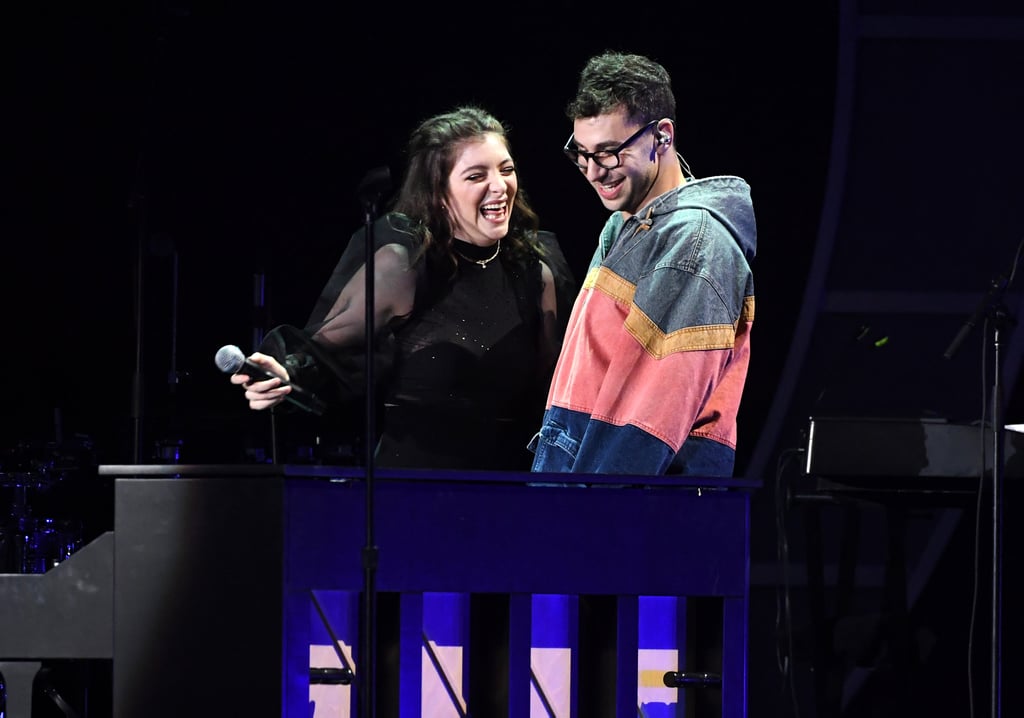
[470,300]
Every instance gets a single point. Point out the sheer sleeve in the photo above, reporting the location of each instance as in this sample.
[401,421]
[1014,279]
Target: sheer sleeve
[388,232]
[344,324]
[328,354]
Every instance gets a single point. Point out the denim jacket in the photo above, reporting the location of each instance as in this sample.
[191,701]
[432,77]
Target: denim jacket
[655,357]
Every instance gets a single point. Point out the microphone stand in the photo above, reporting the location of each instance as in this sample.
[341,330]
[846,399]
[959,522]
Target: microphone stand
[372,188]
[998,451]
[992,306]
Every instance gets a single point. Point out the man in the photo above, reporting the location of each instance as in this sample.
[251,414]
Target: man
[655,357]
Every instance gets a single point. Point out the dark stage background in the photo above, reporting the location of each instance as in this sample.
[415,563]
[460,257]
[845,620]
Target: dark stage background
[229,140]
[198,146]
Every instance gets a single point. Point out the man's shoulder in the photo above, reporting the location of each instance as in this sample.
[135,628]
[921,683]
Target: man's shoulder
[707,191]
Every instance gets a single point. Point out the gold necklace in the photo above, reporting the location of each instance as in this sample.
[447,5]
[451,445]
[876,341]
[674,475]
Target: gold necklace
[482,262]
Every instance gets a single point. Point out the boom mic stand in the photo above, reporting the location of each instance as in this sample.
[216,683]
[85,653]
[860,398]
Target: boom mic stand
[992,307]
[374,186]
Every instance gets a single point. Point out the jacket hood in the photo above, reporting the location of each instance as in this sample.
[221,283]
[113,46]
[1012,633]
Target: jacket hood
[725,197]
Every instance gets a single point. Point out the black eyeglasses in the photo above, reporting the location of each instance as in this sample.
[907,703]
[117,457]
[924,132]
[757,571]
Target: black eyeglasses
[608,159]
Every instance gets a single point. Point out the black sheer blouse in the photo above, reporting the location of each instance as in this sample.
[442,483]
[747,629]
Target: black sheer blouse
[464,353]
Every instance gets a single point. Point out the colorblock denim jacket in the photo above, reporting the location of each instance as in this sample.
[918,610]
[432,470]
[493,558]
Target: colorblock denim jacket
[652,369]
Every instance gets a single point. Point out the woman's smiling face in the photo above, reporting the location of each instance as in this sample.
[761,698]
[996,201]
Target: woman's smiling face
[481,189]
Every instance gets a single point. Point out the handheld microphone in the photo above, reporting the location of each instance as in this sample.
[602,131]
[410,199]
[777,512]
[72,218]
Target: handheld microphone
[231,360]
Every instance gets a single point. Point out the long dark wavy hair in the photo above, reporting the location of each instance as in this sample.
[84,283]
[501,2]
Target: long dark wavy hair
[432,150]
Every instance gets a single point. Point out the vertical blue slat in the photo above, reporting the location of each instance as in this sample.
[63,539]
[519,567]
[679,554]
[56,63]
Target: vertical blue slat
[662,627]
[550,625]
[446,623]
[555,626]
[657,622]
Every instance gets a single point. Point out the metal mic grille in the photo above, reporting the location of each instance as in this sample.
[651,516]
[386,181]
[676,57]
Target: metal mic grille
[229,359]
